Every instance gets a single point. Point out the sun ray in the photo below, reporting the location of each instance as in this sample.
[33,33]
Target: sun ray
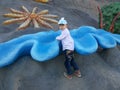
[25,9]
[41,18]
[43,12]
[34,10]
[15,11]
[11,21]
[50,16]
[25,24]
[12,15]
[36,24]
[44,24]
[49,20]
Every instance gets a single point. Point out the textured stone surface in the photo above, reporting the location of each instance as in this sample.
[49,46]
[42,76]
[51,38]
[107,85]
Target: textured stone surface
[100,71]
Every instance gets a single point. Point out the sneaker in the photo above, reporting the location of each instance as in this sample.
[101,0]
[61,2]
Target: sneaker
[78,74]
[67,76]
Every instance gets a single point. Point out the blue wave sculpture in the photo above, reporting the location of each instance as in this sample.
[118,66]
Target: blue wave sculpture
[43,46]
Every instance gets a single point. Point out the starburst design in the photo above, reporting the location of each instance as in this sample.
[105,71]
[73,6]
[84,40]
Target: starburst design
[39,19]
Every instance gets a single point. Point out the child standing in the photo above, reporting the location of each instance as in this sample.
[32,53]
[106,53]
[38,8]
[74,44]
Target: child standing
[68,48]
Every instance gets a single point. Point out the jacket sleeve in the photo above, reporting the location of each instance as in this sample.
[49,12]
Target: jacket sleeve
[62,36]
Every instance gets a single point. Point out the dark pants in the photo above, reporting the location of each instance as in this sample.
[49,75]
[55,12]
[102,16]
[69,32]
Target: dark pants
[69,62]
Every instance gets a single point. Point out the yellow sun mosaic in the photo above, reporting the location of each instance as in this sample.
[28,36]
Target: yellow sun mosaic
[42,18]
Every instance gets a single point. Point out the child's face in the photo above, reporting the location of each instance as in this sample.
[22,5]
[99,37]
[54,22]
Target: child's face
[62,26]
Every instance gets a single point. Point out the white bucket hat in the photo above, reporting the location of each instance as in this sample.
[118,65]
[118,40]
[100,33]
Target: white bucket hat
[62,21]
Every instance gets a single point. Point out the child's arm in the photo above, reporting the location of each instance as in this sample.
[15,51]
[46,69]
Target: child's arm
[62,36]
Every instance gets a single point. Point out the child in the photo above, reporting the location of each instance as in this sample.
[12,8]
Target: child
[68,48]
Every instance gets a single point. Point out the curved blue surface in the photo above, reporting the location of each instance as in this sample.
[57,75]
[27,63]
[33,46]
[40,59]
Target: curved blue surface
[43,46]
